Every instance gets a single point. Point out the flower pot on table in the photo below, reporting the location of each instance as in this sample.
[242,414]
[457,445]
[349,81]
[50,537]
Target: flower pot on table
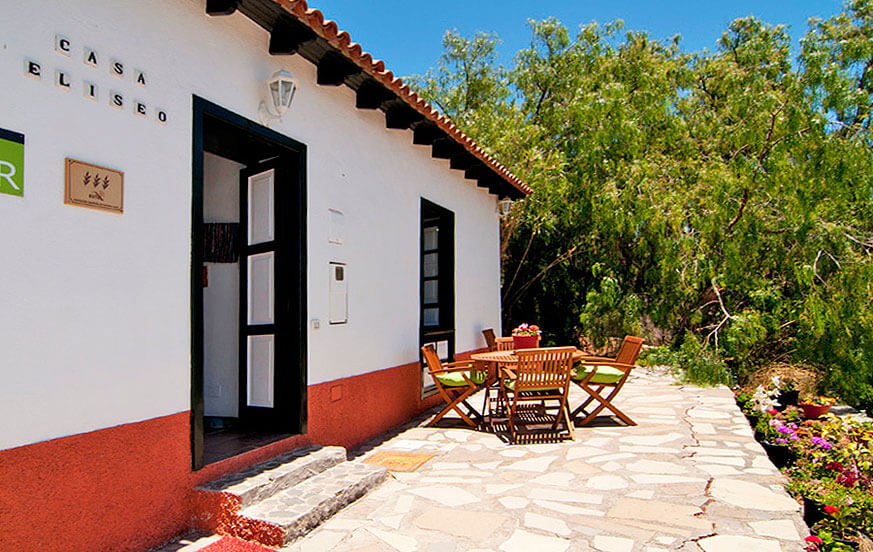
[813,412]
[525,341]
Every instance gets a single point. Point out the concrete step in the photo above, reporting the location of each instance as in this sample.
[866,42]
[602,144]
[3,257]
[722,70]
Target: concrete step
[263,480]
[299,509]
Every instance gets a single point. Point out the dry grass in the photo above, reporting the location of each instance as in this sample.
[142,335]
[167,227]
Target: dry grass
[805,377]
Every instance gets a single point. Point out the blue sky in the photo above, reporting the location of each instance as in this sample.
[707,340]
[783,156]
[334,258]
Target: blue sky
[407,34]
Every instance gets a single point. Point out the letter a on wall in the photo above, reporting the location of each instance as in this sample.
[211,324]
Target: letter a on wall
[11,163]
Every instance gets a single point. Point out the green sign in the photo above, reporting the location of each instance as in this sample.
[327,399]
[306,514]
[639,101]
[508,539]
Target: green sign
[11,163]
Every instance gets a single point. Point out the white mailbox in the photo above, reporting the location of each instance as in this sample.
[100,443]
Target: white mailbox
[339,293]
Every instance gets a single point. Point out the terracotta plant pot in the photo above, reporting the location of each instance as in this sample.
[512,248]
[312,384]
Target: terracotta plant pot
[813,412]
[525,341]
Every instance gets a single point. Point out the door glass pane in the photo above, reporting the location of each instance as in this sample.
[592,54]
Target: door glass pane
[431,291]
[431,238]
[431,266]
[259,370]
[432,316]
[261,211]
[261,288]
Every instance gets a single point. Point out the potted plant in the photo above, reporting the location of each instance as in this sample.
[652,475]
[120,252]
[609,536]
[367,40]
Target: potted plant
[815,407]
[788,393]
[526,336]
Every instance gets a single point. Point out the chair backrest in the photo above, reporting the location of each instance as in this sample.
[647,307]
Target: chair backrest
[505,344]
[431,358]
[490,339]
[543,368]
[630,350]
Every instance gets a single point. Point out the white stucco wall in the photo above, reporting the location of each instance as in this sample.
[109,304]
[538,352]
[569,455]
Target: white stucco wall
[95,307]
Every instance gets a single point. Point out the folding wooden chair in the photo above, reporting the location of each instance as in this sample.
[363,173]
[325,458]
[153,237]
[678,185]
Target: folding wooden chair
[541,375]
[594,374]
[496,343]
[456,382]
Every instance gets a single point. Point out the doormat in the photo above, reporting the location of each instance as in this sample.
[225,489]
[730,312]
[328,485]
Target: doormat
[398,461]
[231,544]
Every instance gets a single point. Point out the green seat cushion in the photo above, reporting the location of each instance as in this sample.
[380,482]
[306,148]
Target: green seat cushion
[456,379]
[605,374]
[510,384]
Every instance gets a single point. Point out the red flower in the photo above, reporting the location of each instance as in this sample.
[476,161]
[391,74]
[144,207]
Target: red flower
[772,412]
[831,509]
[813,539]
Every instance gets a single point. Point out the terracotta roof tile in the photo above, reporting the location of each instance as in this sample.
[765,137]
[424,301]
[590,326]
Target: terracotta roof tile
[342,41]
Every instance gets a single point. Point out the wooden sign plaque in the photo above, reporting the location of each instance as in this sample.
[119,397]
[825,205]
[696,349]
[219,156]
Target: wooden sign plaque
[87,185]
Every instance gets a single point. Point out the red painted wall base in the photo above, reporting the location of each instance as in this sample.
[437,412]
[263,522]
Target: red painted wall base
[130,487]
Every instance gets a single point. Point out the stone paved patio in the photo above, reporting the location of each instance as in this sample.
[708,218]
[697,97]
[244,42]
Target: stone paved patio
[689,477]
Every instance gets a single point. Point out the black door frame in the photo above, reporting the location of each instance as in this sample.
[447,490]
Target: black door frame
[445,330]
[252,142]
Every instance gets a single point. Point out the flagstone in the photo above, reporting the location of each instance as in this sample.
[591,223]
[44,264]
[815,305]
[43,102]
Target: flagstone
[448,479]
[568,508]
[654,466]
[584,452]
[783,529]
[493,489]
[580,467]
[732,543]
[513,502]
[478,526]
[613,544]
[321,541]
[645,494]
[557,479]
[651,439]
[612,457]
[647,478]
[487,466]
[606,482]
[446,495]
[513,453]
[524,541]
[746,494]
[712,450]
[724,460]
[392,521]
[611,467]
[668,513]
[596,442]
[539,464]
[400,542]
[547,523]
[403,504]
[718,469]
[643,449]
[565,496]
[703,428]
[706,414]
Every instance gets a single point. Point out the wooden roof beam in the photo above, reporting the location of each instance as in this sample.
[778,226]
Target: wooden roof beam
[400,115]
[287,36]
[425,133]
[221,7]
[333,68]
[444,148]
[371,95]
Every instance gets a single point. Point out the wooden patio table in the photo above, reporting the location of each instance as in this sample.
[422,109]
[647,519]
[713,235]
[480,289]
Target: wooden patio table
[504,360]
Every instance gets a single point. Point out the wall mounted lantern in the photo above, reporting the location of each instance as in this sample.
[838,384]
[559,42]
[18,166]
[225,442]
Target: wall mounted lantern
[504,206]
[281,88]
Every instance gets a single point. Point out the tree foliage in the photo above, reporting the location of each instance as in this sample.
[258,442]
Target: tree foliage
[720,199]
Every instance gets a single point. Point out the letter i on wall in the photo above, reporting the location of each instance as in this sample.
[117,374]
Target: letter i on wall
[11,163]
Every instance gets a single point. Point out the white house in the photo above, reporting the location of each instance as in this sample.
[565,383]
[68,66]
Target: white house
[191,285]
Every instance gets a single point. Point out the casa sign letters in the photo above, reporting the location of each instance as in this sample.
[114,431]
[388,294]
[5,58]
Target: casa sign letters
[93,90]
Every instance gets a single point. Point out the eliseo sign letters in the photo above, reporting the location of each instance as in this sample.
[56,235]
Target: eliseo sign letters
[11,163]
[117,99]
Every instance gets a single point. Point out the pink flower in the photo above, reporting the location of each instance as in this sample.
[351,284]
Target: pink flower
[772,412]
[813,539]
